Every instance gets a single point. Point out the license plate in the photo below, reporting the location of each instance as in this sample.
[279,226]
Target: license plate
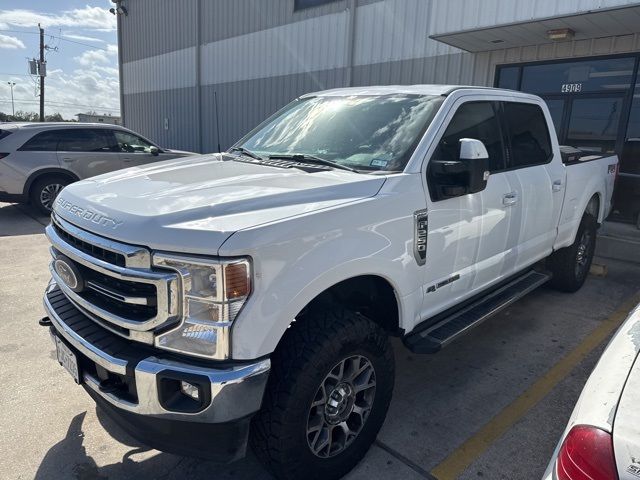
[67,359]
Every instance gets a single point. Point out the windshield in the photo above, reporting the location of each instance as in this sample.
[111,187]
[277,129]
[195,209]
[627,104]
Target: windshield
[365,132]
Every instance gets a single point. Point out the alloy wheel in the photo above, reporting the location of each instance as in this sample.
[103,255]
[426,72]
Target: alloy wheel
[341,406]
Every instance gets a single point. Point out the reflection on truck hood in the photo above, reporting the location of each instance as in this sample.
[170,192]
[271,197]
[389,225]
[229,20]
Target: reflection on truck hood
[194,204]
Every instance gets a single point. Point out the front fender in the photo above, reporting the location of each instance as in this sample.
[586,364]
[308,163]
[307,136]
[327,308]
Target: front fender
[297,259]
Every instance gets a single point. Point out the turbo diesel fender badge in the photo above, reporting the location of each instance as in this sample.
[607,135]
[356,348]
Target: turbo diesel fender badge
[420,224]
[87,214]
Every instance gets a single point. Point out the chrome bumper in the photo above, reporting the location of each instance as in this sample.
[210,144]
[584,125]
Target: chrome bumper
[236,391]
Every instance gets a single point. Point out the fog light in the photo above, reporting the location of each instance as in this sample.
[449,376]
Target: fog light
[190,390]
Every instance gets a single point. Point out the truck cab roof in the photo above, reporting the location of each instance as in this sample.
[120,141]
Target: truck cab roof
[426,89]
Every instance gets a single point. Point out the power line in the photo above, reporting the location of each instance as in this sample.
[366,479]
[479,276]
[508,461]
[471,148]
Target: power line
[59,38]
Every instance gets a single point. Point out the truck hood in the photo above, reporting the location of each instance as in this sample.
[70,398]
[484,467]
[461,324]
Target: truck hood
[194,204]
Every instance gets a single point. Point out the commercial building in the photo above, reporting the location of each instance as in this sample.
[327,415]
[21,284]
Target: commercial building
[197,74]
[95,118]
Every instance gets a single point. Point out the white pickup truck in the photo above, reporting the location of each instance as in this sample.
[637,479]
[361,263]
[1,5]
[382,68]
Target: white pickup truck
[250,295]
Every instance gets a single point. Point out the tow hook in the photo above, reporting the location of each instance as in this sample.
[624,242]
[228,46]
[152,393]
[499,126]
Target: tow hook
[110,385]
[45,322]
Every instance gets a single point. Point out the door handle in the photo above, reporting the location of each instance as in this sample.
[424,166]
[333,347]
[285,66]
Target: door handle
[127,160]
[509,199]
[557,186]
[68,160]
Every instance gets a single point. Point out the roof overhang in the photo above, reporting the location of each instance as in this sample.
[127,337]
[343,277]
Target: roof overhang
[586,25]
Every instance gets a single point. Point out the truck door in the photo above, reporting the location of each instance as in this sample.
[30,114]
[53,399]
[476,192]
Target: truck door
[537,180]
[469,235]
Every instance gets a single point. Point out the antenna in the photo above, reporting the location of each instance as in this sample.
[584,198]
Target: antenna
[215,108]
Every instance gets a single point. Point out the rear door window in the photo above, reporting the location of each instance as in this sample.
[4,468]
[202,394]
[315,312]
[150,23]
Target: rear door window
[527,134]
[46,141]
[85,140]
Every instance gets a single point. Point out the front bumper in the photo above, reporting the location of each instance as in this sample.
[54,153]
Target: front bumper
[138,386]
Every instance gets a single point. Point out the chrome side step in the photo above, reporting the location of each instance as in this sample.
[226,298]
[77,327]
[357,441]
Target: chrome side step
[433,338]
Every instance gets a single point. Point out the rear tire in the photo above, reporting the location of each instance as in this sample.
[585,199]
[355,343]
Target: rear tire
[44,191]
[570,265]
[327,396]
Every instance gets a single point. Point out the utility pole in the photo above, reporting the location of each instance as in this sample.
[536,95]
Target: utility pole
[13,108]
[41,71]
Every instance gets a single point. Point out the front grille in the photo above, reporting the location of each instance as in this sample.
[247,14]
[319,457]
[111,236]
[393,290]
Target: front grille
[93,250]
[119,288]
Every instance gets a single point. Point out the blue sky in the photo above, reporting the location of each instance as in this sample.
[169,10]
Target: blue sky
[80,76]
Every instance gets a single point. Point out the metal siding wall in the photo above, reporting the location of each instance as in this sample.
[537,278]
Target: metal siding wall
[318,43]
[455,15]
[146,113]
[153,27]
[243,105]
[391,47]
[162,72]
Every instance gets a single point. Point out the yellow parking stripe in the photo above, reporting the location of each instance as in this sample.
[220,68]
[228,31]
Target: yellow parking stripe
[458,461]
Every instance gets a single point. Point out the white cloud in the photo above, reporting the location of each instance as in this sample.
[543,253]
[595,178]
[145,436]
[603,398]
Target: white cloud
[9,42]
[96,18]
[91,57]
[82,38]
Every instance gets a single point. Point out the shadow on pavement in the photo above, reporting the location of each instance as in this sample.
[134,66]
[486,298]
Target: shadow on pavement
[69,459]
[18,220]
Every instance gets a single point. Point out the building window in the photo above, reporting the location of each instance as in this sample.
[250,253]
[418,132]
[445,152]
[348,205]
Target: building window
[302,4]
[577,77]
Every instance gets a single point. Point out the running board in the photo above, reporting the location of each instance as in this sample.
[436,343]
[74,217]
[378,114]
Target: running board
[433,338]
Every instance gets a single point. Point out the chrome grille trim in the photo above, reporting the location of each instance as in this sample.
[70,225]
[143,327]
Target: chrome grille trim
[166,283]
[134,257]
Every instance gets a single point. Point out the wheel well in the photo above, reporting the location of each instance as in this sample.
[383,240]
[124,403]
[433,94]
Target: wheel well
[593,207]
[35,176]
[370,295]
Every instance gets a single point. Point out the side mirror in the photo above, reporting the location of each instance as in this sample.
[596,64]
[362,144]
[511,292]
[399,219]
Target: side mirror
[468,174]
[153,150]
[474,153]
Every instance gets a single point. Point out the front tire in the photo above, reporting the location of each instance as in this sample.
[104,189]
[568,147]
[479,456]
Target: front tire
[327,396]
[570,265]
[44,192]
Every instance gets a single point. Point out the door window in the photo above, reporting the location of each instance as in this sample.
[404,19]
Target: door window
[130,143]
[528,135]
[593,123]
[473,120]
[84,140]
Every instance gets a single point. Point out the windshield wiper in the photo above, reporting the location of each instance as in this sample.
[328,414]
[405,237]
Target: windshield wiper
[246,152]
[303,158]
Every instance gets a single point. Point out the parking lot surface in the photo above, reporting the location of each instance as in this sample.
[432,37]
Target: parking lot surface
[492,404]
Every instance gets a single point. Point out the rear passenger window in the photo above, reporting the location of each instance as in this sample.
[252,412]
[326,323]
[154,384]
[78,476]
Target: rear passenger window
[42,142]
[473,120]
[528,135]
[85,140]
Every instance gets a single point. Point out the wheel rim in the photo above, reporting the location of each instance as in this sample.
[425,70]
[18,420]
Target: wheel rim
[341,406]
[49,194]
[583,253]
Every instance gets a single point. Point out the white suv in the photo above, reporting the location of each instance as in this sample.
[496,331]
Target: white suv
[37,160]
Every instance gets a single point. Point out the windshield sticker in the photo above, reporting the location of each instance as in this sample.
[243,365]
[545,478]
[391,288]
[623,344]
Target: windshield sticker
[378,162]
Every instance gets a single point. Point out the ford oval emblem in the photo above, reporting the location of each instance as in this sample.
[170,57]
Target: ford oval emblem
[68,273]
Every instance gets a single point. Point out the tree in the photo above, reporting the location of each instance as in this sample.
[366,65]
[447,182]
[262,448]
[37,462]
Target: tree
[22,116]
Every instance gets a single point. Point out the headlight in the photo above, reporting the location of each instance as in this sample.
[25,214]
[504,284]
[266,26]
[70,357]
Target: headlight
[213,292]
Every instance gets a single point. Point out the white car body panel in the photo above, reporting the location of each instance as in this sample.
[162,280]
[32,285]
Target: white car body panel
[306,232]
[603,404]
